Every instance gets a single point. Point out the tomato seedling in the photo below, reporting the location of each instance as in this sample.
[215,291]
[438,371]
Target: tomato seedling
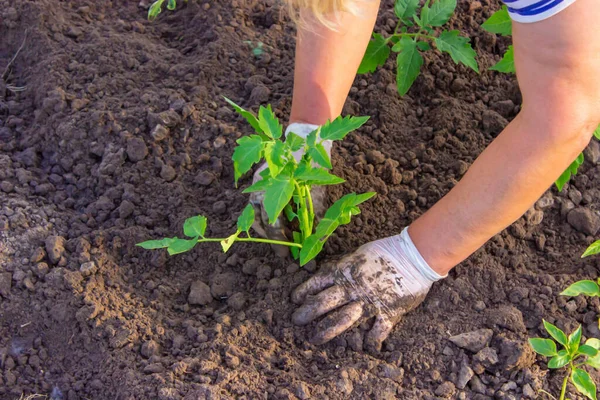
[156,8]
[422,35]
[573,356]
[286,183]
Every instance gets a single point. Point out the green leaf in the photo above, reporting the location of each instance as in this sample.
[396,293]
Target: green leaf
[405,8]
[574,339]
[556,333]
[258,186]
[361,198]
[195,226]
[156,244]
[294,142]
[311,247]
[588,350]
[246,219]
[269,123]
[376,54]
[181,246]
[594,361]
[507,63]
[297,239]
[438,14]
[275,157]
[570,171]
[545,347]
[229,241]
[458,47]
[423,46]
[499,22]
[319,155]
[593,342]
[318,176]
[586,287]
[289,213]
[409,62]
[248,116]
[155,9]
[593,249]
[597,133]
[247,153]
[559,361]
[278,195]
[340,127]
[326,227]
[172,4]
[584,383]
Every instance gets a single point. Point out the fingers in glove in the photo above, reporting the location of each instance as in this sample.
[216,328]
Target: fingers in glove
[322,303]
[379,332]
[314,285]
[337,322]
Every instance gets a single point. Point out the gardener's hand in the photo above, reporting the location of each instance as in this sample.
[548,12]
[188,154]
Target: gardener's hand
[277,231]
[385,279]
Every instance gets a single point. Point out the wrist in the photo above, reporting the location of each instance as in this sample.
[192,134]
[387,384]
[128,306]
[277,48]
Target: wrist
[413,255]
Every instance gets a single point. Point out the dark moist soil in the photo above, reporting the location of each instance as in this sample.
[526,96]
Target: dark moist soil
[85,174]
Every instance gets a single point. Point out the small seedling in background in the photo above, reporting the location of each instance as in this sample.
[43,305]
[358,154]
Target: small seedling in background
[423,35]
[156,8]
[257,50]
[286,183]
[572,356]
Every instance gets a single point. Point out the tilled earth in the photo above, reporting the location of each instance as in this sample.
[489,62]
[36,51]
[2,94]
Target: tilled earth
[113,131]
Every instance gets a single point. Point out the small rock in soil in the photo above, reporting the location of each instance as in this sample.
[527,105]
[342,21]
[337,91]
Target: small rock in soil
[584,220]
[199,294]
[528,391]
[88,268]
[136,149]
[260,94]
[473,341]
[263,272]
[506,316]
[219,207]
[493,122]
[477,386]
[5,284]
[446,389]
[37,255]
[487,357]
[126,209]
[545,202]
[167,173]
[392,372]
[237,301]
[204,178]
[592,152]
[375,157]
[464,375]
[154,368]
[222,285]
[55,247]
[159,133]
[149,348]
[251,266]
[302,391]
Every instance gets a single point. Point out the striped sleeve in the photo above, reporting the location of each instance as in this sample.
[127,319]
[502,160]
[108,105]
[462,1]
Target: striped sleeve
[535,10]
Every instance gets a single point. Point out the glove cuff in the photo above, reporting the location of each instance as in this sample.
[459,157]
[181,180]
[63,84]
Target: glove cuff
[303,130]
[413,255]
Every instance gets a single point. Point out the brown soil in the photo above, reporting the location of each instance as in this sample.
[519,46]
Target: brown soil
[82,180]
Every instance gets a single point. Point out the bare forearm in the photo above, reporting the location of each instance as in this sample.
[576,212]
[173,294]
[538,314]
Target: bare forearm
[326,64]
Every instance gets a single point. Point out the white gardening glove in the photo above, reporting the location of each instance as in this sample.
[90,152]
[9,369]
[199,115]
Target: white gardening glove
[385,278]
[277,231]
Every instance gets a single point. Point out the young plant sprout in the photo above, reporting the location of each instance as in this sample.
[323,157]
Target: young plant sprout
[286,185]
[156,8]
[422,35]
[573,356]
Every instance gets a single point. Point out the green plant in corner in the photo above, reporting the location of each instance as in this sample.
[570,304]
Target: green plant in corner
[573,356]
[286,185]
[415,34]
[156,8]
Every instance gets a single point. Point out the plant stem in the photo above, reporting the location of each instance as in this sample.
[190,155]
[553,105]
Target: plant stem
[565,381]
[260,240]
[302,212]
[311,210]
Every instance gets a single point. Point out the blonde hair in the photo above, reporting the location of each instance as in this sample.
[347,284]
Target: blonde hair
[327,12]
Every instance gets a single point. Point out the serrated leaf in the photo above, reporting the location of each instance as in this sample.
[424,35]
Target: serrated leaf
[438,14]
[588,350]
[181,246]
[545,347]
[507,63]
[275,157]
[318,176]
[592,249]
[376,54]
[319,155]
[409,62]
[584,383]
[405,8]
[171,5]
[248,116]
[500,22]
[269,123]
[155,9]
[156,244]
[229,241]
[559,361]
[294,142]
[569,172]
[258,186]
[195,226]
[278,195]
[556,333]
[597,133]
[246,219]
[586,287]
[340,127]
[311,247]
[574,339]
[458,47]
[247,153]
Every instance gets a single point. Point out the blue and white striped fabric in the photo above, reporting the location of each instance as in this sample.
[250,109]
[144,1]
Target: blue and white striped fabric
[535,10]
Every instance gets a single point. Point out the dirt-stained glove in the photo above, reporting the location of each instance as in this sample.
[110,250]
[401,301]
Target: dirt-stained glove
[277,231]
[385,279]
